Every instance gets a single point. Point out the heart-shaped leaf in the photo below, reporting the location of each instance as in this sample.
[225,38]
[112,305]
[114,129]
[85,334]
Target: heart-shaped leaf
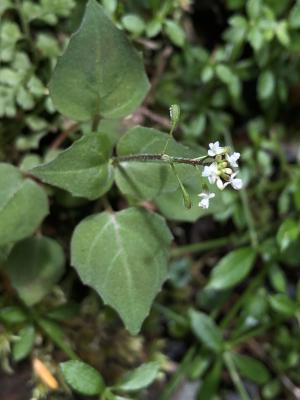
[123,256]
[100,73]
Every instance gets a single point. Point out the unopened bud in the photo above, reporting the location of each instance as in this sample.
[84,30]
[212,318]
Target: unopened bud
[174,114]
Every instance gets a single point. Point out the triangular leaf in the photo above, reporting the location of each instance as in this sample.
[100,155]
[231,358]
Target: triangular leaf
[123,256]
[100,73]
[83,169]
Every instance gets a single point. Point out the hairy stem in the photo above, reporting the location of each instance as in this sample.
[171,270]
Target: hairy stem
[163,158]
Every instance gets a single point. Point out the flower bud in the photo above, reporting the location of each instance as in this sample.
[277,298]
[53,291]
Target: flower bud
[174,114]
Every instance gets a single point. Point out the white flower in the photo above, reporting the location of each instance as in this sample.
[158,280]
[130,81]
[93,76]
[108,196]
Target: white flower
[215,149]
[236,183]
[205,197]
[210,172]
[232,159]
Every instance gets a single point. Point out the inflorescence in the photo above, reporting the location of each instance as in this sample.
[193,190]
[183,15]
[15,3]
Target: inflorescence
[222,171]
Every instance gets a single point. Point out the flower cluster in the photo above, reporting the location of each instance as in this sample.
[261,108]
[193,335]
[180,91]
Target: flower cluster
[222,171]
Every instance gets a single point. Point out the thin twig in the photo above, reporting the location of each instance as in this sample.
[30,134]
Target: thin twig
[161,66]
[63,136]
[163,121]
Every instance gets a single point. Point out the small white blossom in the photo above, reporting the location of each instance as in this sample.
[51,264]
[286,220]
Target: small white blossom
[205,197]
[236,183]
[215,149]
[232,159]
[210,172]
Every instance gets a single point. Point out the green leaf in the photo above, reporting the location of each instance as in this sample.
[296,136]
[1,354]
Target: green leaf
[114,254]
[174,32]
[146,180]
[153,28]
[171,205]
[225,74]
[288,233]
[18,218]
[139,378]
[83,169]
[251,368]
[206,330]
[4,252]
[210,384]
[266,85]
[24,345]
[64,312]
[82,377]
[277,278]
[133,23]
[232,268]
[254,8]
[55,332]
[12,315]
[282,304]
[44,267]
[294,17]
[100,73]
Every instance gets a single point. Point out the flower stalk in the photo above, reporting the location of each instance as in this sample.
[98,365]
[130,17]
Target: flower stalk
[163,158]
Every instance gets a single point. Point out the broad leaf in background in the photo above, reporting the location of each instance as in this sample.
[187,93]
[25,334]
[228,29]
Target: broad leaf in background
[4,252]
[172,207]
[23,205]
[287,233]
[284,305]
[100,73]
[23,346]
[123,256]
[145,180]
[206,330]
[251,368]
[232,268]
[140,378]
[83,169]
[82,377]
[34,266]
[12,315]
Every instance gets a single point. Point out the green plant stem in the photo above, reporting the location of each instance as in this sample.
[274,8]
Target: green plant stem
[178,375]
[235,377]
[163,158]
[201,246]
